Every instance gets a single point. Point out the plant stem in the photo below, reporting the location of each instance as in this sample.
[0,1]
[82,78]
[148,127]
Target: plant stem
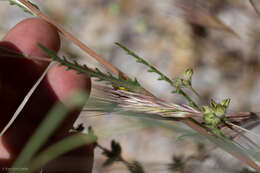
[191,102]
[162,76]
[77,42]
[240,157]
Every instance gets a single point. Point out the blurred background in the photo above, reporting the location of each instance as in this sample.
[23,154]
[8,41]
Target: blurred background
[219,39]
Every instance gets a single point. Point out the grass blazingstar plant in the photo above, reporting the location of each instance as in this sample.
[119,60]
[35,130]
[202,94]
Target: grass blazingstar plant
[126,96]
[211,117]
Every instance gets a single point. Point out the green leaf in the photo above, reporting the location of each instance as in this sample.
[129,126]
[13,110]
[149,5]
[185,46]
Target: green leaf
[61,147]
[128,84]
[15,3]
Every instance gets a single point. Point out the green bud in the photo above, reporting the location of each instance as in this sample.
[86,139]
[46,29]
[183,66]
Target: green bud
[225,102]
[211,119]
[209,116]
[220,110]
[207,110]
[188,74]
[213,104]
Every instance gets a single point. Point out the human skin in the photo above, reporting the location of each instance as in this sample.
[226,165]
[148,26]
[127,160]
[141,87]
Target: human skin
[17,76]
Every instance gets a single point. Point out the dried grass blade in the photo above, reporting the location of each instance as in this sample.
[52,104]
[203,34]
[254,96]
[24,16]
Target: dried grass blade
[25,100]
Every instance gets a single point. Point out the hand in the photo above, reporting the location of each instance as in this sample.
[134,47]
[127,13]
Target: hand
[17,76]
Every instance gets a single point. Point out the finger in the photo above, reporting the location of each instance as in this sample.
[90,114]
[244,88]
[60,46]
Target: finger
[18,76]
[63,84]
[56,86]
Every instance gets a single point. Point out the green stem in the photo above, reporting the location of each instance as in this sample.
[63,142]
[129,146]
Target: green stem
[195,92]
[162,76]
[191,102]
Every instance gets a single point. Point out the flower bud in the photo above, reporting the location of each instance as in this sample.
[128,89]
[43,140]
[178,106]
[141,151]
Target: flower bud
[225,102]
[220,110]
[188,74]
[211,119]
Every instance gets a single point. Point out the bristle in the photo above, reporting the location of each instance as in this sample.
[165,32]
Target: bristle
[147,104]
[124,101]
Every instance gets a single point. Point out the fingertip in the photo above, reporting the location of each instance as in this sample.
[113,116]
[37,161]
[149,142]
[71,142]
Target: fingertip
[27,33]
[65,82]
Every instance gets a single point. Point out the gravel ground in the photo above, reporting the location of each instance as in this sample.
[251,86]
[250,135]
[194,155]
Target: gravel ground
[219,39]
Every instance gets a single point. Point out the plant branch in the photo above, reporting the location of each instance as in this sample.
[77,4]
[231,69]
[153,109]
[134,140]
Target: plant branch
[190,122]
[162,76]
[129,84]
[77,42]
